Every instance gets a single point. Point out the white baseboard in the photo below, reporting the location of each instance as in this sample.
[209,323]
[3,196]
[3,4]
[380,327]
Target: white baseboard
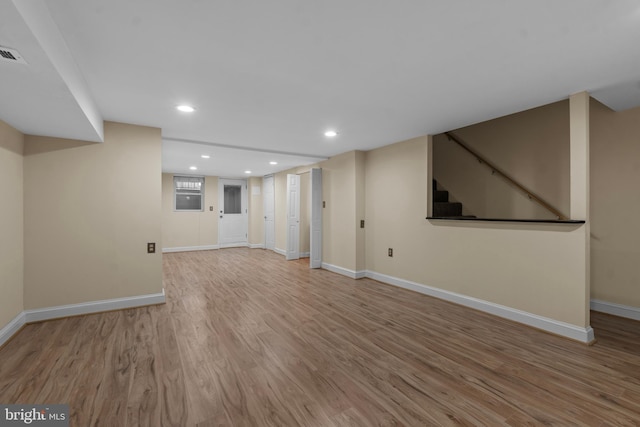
[284,253]
[191,248]
[11,328]
[568,330]
[211,247]
[48,313]
[233,245]
[90,307]
[344,271]
[616,309]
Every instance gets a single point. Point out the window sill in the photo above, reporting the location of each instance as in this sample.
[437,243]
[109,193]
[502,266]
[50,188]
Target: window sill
[539,221]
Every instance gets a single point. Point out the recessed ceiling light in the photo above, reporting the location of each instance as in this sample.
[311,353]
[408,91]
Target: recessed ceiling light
[186,108]
[273,163]
[193,168]
[205,156]
[247,171]
[330,133]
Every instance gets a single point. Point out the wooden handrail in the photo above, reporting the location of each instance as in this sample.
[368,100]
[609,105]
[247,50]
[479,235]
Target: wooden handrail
[531,195]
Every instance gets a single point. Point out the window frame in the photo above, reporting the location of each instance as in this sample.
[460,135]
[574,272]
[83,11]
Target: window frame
[176,192]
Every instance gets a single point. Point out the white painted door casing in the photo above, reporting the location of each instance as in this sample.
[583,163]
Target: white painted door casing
[315,257]
[233,220]
[268,191]
[293,217]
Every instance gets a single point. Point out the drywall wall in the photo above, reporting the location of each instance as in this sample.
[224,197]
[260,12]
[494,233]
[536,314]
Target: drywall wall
[339,242]
[189,229]
[305,212]
[579,119]
[11,223]
[538,269]
[531,146]
[280,209]
[360,201]
[256,212]
[195,230]
[89,211]
[615,205]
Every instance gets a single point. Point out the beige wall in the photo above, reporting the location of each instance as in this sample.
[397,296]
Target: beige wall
[189,229]
[256,212]
[200,229]
[535,268]
[89,211]
[531,146]
[615,205]
[360,201]
[11,223]
[339,243]
[305,212]
[280,209]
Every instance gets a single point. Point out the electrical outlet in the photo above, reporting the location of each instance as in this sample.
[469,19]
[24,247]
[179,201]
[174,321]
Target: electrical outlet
[391,252]
[324,204]
[151,248]
[362,223]
[211,208]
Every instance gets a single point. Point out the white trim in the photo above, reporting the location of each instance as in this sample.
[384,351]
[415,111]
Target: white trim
[292,216]
[176,192]
[244,206]
[315,223]
[12,327]
[47,313]
[40,314]
[344,271]
[190,248]
[567,330]
[616,309]
[280,251]
[211,247]
[234,245]
[305,254]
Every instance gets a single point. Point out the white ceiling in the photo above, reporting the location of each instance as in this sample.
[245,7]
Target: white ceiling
[274,75]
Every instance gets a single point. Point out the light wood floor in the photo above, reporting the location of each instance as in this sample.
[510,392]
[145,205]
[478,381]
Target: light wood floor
[247,338]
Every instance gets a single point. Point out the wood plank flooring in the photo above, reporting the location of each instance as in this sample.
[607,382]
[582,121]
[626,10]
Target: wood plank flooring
[249,339]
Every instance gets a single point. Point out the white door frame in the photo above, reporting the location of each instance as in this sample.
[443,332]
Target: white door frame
[315,256]
[293,217]
[223,241]
[268,191]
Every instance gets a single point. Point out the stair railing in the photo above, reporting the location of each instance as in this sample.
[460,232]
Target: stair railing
[530,194]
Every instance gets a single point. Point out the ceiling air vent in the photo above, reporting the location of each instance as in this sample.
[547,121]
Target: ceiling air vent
[11,55]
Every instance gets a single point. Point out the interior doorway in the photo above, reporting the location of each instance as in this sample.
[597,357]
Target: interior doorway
[268,191]
[293,217]
[233,213]
[315,255]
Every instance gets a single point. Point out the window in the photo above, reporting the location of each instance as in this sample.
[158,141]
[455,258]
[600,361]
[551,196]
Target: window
[232,199]
[188,191]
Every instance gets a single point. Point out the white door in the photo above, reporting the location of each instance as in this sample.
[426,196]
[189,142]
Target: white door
[269,212]
[232,206]
[293,217]
[315,258]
